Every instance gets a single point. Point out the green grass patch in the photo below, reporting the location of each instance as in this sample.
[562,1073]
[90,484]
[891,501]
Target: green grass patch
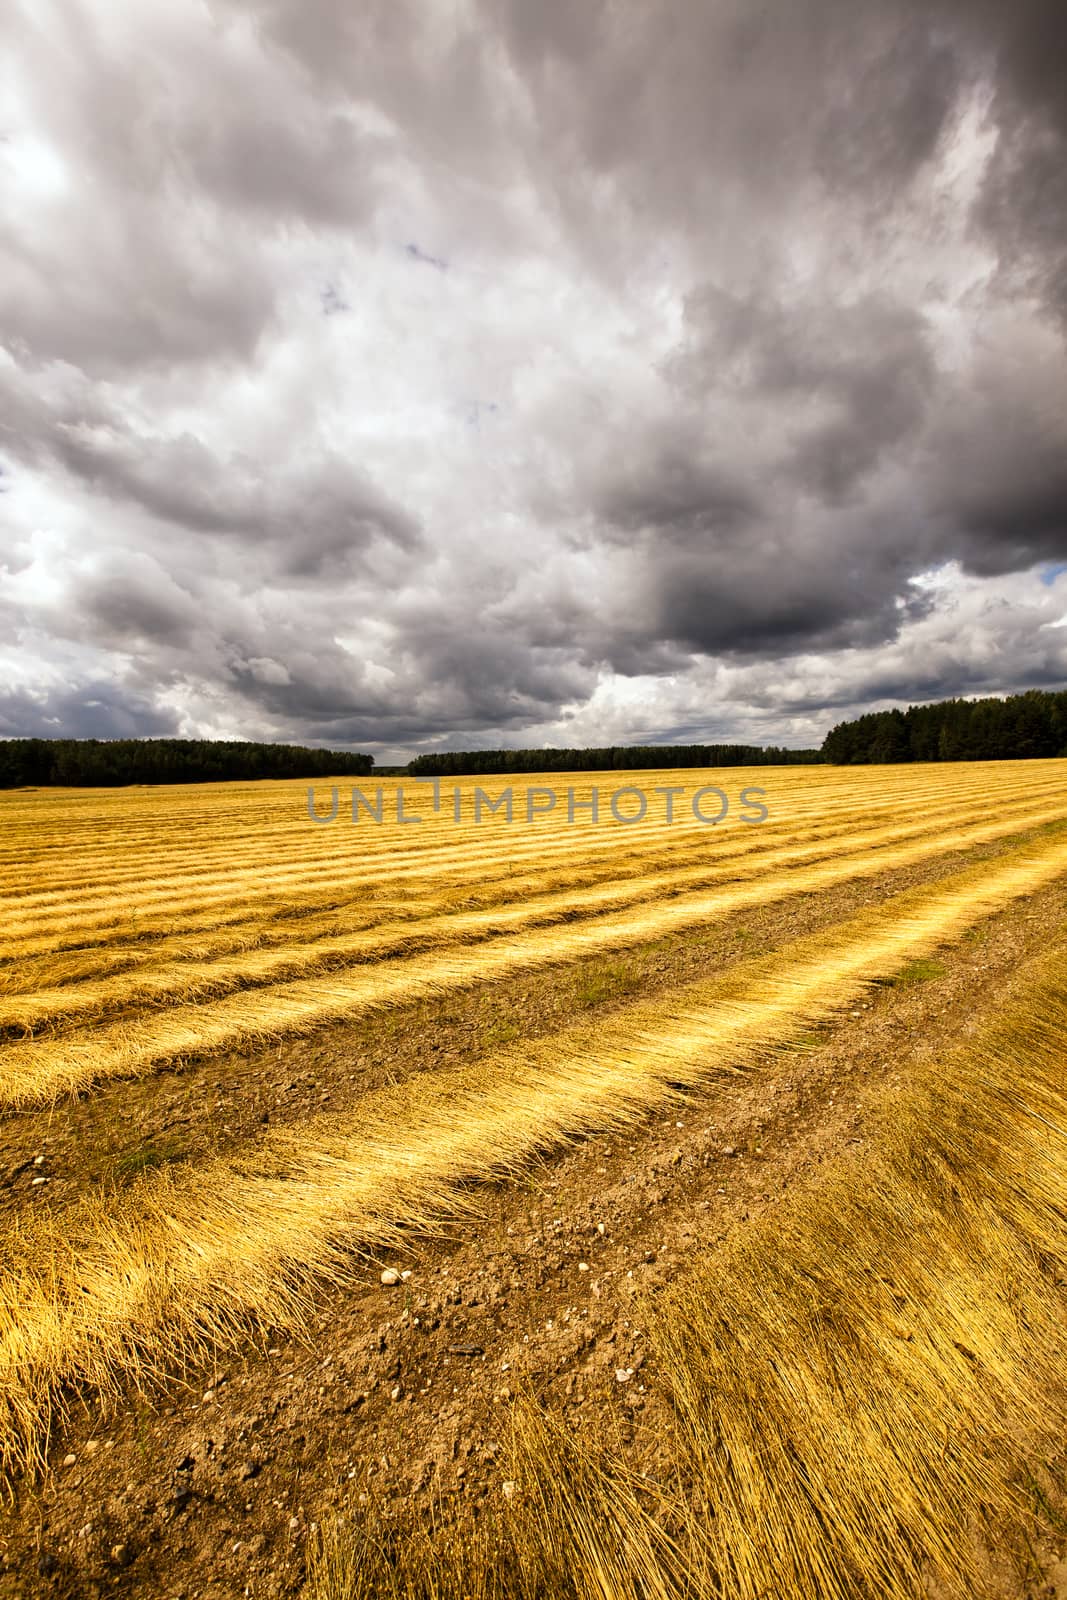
[605,981]
[160,1153]
[811,1039]
[502,1031]
[918,972]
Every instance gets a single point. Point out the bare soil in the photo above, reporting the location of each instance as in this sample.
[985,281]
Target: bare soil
[208,1488]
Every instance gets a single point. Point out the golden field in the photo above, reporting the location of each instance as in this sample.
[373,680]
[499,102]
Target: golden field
[856,1388]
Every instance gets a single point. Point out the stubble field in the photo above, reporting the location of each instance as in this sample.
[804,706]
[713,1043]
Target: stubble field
[720,1171]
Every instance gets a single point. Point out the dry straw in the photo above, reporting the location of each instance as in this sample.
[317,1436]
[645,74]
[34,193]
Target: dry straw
[310,874]
[868,1385]
[121,1289]
[38,1071]
[300,946]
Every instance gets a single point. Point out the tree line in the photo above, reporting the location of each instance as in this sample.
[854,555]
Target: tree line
[1020,727]
[91,763]
[610,758]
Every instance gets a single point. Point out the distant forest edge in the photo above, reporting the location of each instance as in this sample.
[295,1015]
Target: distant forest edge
[1022,727]
[92,763]
[611,758]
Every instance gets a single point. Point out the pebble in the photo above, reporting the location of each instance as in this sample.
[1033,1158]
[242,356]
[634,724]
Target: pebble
[390,1277]
[70,1461]
[508,1487]
[623,1374]
[729,1150]
[583,1266]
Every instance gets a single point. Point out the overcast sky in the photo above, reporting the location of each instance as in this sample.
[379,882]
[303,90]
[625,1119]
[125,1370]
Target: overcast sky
[392,374]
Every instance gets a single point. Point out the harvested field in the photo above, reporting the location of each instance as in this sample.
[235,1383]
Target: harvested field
[764,1116]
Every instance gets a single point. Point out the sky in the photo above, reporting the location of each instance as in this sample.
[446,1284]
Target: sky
[399,376]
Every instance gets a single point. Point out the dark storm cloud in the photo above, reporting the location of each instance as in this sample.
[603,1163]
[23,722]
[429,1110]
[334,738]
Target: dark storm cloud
[93,710]
[1023,206]
[1000,473]
[123,608]
[865,364]
[317,512]
[771,606]
[494,676]
[678,496]
[1014,523]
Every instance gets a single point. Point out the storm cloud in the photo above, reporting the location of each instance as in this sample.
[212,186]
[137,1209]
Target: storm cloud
[513,374]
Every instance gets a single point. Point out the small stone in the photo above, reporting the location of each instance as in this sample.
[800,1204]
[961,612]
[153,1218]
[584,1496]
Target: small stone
[395,1392]
[121,1554]
[729,1150]
[38,1161]
[404,1276]
[508,1488]
[583,1266]
[623,1374]
[209,1397]
[390,1277]
[70,1461]
[35,1181]
[600,1228]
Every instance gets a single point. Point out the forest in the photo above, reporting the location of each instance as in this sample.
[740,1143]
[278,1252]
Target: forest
[610,758]
[92,763]
[1020,727]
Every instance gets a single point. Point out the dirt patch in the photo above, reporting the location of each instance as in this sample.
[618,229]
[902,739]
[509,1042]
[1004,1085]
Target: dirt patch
[228,1101]
[209,1488]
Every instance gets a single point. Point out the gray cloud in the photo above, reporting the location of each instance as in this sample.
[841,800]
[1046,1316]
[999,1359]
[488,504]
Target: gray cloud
[89,710]
[863,366]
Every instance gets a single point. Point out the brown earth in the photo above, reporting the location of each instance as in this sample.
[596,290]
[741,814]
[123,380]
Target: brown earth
[225,1102]
[210,1487]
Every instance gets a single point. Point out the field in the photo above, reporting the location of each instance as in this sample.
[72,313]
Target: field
[716,1171]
